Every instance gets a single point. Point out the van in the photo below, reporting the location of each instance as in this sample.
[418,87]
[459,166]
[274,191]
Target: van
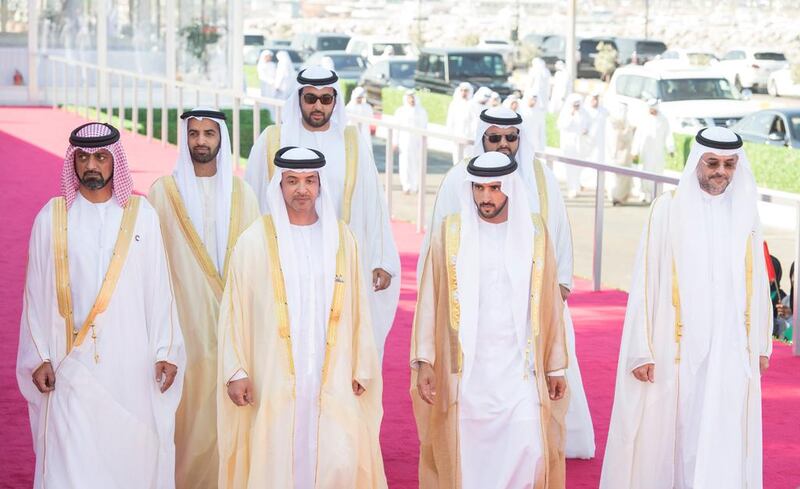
[441,70]
[308,44]
[374,47]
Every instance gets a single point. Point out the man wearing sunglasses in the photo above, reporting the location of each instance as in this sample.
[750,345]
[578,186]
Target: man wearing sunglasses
[501,129]
[314,116]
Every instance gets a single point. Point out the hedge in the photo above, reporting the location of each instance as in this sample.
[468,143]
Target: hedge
[435,104]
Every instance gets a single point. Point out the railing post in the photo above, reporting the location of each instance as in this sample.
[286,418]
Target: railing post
[423,170]
[121,101]
[389,169]
[256,120]
[179,104]
[110,100]
[597,253]
[77,89]
[65,84]
[149,116]
[658,187]
[98,102]
[53,83]
[135,106]
[164,115]
[236,131]
[459,152]
[85,81]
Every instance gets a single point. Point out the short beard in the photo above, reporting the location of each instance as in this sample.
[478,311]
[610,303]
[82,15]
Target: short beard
[313,123]
[94,182]
[707,187]
[208,158]
[497,211]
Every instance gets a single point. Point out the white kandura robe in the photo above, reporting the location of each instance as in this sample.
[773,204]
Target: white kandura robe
[596,139]
[409,146]
[369,221]
[459,121]
[691,428]
[308,350]
[651,141]
[364,110]
[208,193]
[106,424]
[535,118]
[500,427]
[573,128]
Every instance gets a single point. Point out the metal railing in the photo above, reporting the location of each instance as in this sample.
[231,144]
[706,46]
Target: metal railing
[78,95]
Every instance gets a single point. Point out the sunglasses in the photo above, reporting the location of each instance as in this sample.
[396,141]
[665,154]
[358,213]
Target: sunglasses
[713,165]
[311,99]
[496,138]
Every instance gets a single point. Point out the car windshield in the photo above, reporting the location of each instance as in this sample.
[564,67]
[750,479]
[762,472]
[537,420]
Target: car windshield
[697,89]
[344,62]
[332,43]
[402,70]
[466,65]
[770,56]
[643,47]
[398,48]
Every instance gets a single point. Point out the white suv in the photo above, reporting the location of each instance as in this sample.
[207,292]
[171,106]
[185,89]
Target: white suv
[690,99]
[750,68]
[374,47]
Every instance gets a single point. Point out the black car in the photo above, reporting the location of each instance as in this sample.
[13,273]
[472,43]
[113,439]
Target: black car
[645,49]
[308,44]
[776,127]
[554,48]
[395,72]
[441,70]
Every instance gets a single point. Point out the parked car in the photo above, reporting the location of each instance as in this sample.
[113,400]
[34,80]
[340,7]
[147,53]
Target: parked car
[348,66]
[502,46]
[644,49]
[776,127]
[690,99]
[373,47]
[781,83]
[750,68]
[681,59]
[440,70]
[397,72]
[307,44]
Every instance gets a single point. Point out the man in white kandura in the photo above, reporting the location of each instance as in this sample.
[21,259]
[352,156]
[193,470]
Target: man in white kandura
[202,208]
[651,141]
[409,145]
[503,130]
[359,106]
[314,117]
[297,353]
[697,334]
[101,356]
[459,115]
[488,350]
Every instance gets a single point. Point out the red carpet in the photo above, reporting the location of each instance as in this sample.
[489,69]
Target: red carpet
[32,143]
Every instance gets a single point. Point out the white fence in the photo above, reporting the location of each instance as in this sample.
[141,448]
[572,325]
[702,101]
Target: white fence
[69,85]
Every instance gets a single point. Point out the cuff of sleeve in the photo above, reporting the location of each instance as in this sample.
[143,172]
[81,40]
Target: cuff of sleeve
[639,362]
[238,375]
[557,373]
[417,361]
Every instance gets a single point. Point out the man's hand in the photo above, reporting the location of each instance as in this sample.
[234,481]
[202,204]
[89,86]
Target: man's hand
[763,363]
[645,373]
[556,386]
[165,374]
[358,389]
[44,378]
[241,391]
[783,311]
[381,279]
[426,383]
[564,292]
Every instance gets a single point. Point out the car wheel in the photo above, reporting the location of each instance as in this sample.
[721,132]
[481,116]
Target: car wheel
[772,88]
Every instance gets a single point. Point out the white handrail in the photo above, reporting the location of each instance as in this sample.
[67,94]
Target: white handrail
[80,77]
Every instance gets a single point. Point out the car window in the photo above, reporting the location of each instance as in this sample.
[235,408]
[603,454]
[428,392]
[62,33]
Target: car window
[399,49]
[435,66]
[465,65]
[401,70]
[762,123]
[343,62]
[770,56]
[794,123]
[332,43]
[650,47]
[633,87]
[696,89]
[777,126]
[669,55]
[553,44]
[649,89]
[733,55]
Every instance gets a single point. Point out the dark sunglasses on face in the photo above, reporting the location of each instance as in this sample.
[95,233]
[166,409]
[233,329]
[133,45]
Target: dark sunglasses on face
[311,99]
[496,138]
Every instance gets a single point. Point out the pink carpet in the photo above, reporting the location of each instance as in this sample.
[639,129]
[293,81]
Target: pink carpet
[32,144]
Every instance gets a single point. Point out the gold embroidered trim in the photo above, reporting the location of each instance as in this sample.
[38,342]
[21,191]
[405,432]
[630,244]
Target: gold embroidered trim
[351,170]
[234,226]
[63,288]
[452,244]
[337,302]
[278,288]
[193,238]
[541,188]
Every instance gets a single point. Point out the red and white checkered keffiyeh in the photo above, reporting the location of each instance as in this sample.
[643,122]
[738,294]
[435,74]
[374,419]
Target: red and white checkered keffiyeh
[121,182]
